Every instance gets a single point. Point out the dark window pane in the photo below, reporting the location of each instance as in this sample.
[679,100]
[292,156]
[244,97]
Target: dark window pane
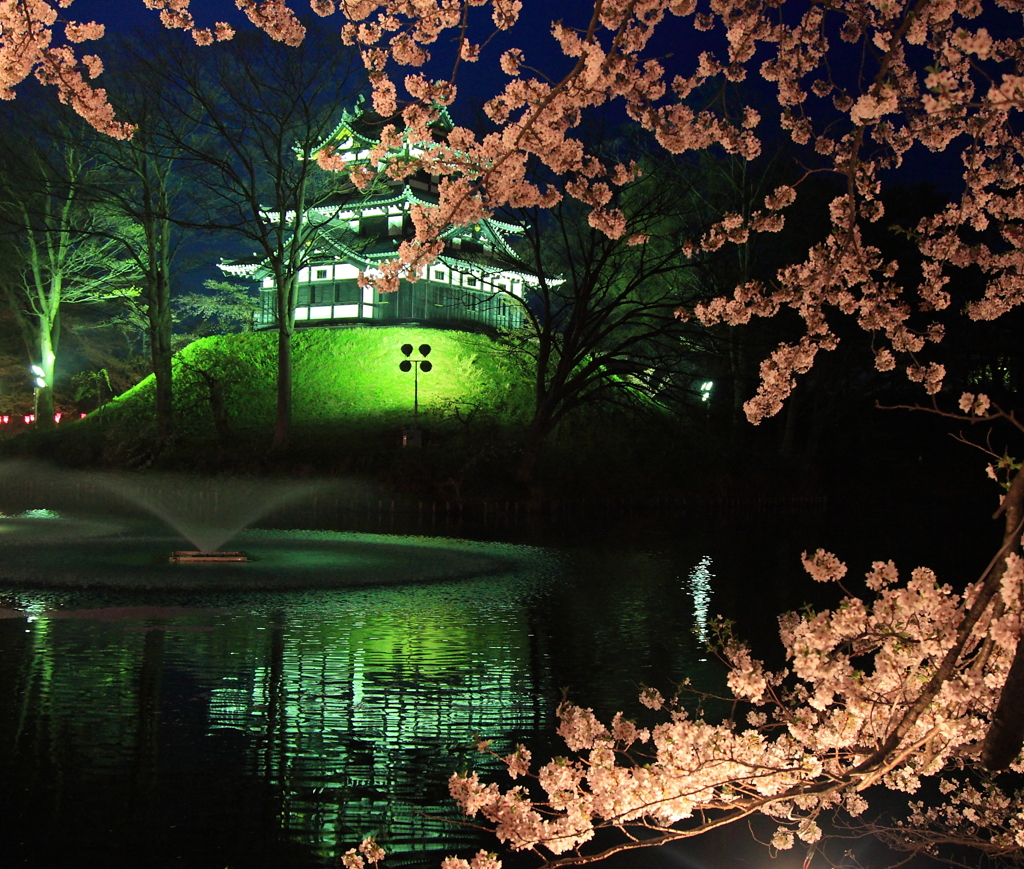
[373,227]
[347,292]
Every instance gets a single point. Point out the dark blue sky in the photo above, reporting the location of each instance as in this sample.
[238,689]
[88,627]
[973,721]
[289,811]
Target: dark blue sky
[676,44]
[476,82]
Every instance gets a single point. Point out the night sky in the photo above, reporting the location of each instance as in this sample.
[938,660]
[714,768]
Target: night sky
[477,82]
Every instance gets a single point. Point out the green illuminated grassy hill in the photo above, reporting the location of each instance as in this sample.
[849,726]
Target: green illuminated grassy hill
[350,401]
[342,376]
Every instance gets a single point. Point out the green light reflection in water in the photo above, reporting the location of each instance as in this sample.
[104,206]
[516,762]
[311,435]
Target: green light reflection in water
[349,708]
[361,697]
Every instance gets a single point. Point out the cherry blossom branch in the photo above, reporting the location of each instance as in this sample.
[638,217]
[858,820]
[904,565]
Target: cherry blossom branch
[973,409]
[892,729]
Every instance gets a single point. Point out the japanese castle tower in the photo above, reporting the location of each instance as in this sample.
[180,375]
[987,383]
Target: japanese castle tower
[475,283]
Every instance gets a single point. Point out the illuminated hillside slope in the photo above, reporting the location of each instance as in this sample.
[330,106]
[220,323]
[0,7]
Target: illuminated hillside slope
[349,394]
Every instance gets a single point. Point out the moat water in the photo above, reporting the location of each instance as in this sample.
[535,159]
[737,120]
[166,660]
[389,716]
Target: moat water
[258,728]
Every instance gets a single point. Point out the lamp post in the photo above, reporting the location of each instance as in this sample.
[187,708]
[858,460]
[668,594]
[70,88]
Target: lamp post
[414,437]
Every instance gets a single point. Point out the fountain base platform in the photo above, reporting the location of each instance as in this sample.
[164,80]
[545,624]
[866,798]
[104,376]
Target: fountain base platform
[73,553]
[194,556]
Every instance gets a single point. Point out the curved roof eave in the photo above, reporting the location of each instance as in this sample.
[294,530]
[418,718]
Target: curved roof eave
[349,121]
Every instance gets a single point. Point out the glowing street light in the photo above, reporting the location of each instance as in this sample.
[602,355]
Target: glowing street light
[413,437]
[416,366]
[705,390]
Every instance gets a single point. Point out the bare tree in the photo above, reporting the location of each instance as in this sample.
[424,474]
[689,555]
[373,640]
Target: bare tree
[61,245]
[255,111]
[148,189]
[601,319]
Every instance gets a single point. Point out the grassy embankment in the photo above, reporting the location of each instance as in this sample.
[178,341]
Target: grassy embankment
[351,402]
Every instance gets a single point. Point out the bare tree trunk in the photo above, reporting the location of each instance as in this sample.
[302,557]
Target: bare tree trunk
[540,427]
[218,408]
[737,365]
[159,314]
[47,341]
[283,420]
[286,279]
[44,407]
[160,352]
[527,462]
[787,444]
[158,261]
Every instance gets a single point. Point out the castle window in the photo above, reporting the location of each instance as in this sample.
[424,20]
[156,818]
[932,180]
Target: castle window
[373,227]
[467,281]
[347,292]
[440,275]
[321,294]
[320,275]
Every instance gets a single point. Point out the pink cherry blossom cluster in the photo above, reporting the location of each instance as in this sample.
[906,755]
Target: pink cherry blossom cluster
[26,47]
[175,15]
[368,853]
[968,808]
[481,860]
[857,708]
[977,405]
[535,116]
[276,19]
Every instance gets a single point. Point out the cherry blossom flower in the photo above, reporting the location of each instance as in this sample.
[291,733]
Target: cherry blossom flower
[352,860]
[481,860]
[783,839]
[971,404]
[651,698]
[371,850]
[76,32]
[518,762]
[511,61]
[823,566]
[832,716]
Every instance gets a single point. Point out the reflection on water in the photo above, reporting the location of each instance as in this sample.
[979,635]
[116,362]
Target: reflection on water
[699,585]
[277,729]
[373,702]
[321,717]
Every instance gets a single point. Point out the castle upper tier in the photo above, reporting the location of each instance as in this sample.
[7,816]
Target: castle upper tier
[477,282]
